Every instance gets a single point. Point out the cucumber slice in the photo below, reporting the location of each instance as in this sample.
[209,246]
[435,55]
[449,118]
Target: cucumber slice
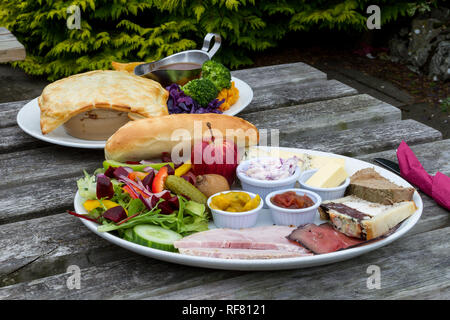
[155,237]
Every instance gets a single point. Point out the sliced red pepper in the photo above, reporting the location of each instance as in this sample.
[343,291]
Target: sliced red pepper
[160,179]
[136,174]
[133,194]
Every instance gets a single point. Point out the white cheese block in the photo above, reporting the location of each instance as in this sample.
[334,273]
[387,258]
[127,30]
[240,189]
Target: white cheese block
[331,175]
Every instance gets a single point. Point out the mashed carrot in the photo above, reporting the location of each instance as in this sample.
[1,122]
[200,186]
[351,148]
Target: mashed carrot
[230,95]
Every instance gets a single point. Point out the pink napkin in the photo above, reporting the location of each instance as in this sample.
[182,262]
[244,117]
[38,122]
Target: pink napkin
[437,187]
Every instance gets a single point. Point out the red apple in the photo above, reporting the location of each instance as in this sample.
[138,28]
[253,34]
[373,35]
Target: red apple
[215,156]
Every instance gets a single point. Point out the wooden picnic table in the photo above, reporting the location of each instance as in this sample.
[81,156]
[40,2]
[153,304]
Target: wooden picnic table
[39,240]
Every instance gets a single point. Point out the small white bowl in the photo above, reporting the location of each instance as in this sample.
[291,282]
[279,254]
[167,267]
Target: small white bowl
[324,193]
[264,187]
[235,220]
[293,217]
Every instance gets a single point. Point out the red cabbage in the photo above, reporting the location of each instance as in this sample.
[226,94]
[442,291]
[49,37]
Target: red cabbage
[104,187]
[179,102]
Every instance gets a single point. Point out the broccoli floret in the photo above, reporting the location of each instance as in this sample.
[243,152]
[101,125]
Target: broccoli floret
[217,73]
[203,91]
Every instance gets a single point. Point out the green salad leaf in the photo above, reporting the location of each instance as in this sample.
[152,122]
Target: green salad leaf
[87,187]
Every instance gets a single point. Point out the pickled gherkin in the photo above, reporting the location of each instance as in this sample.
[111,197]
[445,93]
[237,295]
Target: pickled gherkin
[182,187]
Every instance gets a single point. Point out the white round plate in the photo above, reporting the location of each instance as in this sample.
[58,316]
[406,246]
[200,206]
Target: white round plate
[29,117]
[352,165]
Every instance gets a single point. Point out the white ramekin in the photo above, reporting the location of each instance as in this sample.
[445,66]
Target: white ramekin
[324,193]
[264,187]
[235,220]
[293,217]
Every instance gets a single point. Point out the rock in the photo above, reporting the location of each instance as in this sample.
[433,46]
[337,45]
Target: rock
[398,48]
[424,47]
[440,62]
[422,36]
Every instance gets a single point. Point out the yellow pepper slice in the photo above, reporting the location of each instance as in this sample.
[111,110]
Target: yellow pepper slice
[90,205]
[183,169]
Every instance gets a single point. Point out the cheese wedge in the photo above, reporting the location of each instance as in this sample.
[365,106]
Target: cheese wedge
[331,175]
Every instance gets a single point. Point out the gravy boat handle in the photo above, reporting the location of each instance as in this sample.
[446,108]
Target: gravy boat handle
[207,44]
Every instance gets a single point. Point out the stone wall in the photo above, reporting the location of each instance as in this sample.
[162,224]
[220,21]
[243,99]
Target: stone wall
[425,45]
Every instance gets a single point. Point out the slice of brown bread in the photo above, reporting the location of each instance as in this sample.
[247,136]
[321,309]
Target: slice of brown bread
[369,185]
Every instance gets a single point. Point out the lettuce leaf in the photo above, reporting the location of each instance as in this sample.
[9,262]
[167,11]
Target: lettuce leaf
[87,187]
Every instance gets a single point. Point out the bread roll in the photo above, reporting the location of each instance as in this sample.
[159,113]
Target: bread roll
[148,138]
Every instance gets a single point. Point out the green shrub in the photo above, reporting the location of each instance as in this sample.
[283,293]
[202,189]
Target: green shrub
[147,30]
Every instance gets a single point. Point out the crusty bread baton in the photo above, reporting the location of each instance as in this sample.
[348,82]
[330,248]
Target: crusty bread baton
[149,138]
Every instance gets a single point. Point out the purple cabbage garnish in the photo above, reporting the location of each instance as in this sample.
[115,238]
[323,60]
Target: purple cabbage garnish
[179,102]
[104,187]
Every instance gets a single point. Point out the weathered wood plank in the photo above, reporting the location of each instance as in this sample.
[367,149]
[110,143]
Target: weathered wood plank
[282,95]
[365,140]
[14,138]
[38,199]
[403,264]
[8,112]
[10,48]
[329,115]
[434,156]
[279,74]
[46,164]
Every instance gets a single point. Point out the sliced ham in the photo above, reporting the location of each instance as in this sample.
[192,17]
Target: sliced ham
[323,238]
[227,253]
[258,238]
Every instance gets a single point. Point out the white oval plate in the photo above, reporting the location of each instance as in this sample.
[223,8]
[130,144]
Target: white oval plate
[352,165]
[29,117]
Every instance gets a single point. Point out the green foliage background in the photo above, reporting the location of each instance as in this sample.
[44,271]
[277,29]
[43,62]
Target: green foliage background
[147,30]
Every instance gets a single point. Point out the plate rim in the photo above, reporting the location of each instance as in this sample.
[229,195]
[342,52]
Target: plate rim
[266,264]
[100,144]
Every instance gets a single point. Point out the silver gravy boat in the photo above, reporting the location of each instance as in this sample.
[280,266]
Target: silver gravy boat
[180,67]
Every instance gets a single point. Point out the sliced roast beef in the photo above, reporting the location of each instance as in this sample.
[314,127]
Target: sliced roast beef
[227,253]
[260,238]
[323,238]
